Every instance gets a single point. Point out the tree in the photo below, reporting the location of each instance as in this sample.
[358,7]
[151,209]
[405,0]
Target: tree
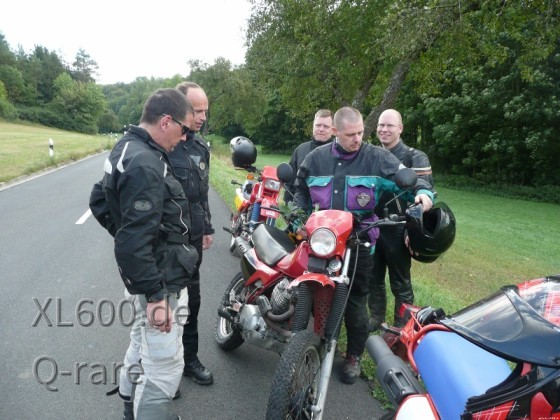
[39,71]
[236,105]
[84,67]
[81,103]
[7,110]
[7,57]
[13,81]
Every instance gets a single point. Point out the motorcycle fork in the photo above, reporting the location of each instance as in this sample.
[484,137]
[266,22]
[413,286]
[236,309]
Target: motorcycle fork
[332,332]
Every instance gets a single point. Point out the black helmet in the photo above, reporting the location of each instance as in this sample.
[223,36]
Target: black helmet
[430,233]
[243,152]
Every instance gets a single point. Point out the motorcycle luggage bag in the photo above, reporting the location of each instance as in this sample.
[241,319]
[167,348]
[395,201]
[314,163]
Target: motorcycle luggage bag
[453,369]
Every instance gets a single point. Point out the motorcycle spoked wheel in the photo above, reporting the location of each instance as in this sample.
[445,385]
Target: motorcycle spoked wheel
[295,381]
[227,336]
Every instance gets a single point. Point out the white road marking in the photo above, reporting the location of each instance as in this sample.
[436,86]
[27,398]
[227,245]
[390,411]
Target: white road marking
[85,216]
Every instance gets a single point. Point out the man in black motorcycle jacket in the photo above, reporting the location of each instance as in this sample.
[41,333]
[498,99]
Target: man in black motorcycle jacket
[155,260]
[191,161]
[322,134]
[349,175]
[391,252]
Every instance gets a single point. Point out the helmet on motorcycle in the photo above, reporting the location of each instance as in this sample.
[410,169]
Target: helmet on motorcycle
[430,233]
[243,152]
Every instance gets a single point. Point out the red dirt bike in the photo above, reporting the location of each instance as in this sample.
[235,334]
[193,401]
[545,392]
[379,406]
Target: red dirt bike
[281,286]
[256,200]
[497,359]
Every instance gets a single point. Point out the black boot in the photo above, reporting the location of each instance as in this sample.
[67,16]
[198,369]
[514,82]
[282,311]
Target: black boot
[197,372]
[128,410]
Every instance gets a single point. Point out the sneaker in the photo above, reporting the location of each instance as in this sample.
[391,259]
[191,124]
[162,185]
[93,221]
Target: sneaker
[198,373]
[351,370]
[374,324]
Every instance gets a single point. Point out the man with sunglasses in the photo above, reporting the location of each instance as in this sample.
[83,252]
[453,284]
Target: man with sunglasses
[191,161]
[151,238]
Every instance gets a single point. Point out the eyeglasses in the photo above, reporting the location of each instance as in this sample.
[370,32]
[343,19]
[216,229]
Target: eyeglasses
[184,128]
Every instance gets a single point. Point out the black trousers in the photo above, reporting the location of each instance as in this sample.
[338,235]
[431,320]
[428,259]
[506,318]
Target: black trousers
[190,330]
[390,253]
[356,316]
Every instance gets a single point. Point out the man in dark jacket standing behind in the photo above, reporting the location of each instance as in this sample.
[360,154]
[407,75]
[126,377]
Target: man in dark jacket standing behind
[322,134]
[391,251]
[191,161]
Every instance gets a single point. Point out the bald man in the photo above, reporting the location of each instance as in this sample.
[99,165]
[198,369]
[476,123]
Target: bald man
[391,252]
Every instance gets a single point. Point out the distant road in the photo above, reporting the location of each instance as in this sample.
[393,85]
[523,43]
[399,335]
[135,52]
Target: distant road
[61,326]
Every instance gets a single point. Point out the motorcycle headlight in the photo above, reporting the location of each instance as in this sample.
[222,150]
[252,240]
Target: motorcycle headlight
[322,242]
[272,184]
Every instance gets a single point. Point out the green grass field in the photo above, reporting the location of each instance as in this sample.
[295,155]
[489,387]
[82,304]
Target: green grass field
[24,148]
[499,241]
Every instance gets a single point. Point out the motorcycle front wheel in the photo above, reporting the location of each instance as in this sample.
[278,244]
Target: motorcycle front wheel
[293,389]
[227,335]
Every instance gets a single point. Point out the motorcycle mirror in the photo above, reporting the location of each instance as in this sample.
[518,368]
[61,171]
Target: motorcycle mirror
[405,178]
[284,172]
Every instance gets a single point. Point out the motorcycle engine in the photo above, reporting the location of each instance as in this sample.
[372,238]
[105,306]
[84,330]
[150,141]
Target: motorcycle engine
[255,331]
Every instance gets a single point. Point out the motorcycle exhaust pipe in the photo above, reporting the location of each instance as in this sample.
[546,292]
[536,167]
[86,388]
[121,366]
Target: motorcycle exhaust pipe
[226,315]
[394,376]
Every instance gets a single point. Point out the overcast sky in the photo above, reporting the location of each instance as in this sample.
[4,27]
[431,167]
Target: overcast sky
[127,38]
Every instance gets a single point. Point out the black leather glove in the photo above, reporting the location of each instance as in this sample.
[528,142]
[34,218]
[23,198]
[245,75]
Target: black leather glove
[429,315]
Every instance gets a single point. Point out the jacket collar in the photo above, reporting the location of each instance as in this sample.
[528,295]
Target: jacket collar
[339,153]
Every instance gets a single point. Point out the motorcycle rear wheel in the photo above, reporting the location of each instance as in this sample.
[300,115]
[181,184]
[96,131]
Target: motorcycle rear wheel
[226,334]
[295,381]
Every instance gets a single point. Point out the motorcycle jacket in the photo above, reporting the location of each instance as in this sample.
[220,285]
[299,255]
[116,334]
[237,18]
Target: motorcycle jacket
[191,162]
[296,160]
[331,178]
[151,213]
[411,158]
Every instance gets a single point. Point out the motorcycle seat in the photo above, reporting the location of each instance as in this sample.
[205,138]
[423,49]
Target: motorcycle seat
[271,244]
[453,369]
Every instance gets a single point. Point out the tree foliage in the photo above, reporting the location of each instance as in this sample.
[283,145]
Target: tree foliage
[477,81]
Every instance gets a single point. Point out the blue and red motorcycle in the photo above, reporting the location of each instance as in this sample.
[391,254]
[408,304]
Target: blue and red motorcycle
[497,359]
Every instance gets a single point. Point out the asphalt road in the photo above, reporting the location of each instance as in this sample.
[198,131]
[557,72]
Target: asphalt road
[63,323]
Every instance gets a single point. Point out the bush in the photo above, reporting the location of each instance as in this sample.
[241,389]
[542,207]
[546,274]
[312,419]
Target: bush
[45,116]
[7,110]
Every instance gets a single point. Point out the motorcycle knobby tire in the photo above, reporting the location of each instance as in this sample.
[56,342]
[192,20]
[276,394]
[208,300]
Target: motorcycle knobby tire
[295,378]
[227,336]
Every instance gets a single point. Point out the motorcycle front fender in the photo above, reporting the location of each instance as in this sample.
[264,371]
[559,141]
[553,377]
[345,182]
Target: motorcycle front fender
[417,407]
[321,279]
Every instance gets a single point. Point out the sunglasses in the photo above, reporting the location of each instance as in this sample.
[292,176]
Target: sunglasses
[184,128]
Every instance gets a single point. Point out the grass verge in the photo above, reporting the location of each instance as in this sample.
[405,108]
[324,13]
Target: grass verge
[24,148]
